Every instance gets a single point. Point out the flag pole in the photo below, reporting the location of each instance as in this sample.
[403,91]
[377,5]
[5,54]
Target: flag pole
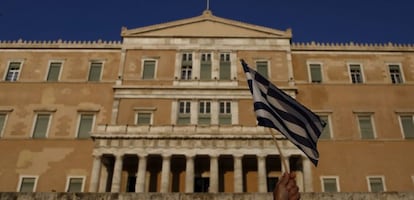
[282,157]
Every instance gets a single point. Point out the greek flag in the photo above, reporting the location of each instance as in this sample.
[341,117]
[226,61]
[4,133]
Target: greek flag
[275,109]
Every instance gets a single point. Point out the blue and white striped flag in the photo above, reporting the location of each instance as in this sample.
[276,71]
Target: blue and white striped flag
[275,109]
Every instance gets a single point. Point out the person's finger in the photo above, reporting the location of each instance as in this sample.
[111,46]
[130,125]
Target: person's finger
[292,175]
[290,184]
[295,196]
[284,180]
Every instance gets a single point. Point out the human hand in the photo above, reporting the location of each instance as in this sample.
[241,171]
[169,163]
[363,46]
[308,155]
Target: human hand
[286,188]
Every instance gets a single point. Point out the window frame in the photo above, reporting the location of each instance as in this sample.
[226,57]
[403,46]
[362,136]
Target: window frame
[206,111]
[322,178]
[35,123]
[21,177]
[399,68]
[60,70]
[371,116]
[188,67]
[368,178]
[79,123]
[401,124]
[143,68]
[209,61]
[21,61]
[225,113]
[227,58]
[184,114]
[143,112]
[309,63]
[101,72]
[328,123]
[267,75]
[3,128]
[361,70]
[68,178]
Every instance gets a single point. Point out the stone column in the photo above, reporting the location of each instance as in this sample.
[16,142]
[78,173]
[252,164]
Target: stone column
[165,173]
[189,174]
[116,178]
[261,171]
[238,174]
[307,174]
[142,169]
[96,169]
[213,174]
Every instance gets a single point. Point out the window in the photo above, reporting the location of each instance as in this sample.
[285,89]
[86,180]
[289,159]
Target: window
[262,68]
[186,66]
[355,73]
[184,112]
[376,184]
[13,71]
[315,73]
[395,74]
[27,184]
[95,71]
[148,71]
[144,118]
[54,71]
[407,125]
[330,184]
[2,122]
[365,126]
[225,66]
[225,112]
[204,116]
[326,133]
[205,66]
[85,125]
[74,184]
[41,126]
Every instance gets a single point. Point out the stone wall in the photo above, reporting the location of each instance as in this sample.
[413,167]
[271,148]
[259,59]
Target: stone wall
[201,196]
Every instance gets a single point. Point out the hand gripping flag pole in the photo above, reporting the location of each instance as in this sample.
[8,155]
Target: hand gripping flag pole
[277,110]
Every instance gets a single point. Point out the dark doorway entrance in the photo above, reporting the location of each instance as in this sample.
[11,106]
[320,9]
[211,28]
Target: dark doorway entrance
[201,184]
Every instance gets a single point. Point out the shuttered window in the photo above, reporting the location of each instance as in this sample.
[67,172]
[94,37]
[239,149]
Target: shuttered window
[75,185]
[27,184]
[407,123]
[262,68]
[225,112]
[330,185]
[143,118]
[326,133]
[95,71]
[41,126]
[376,184]
[225,66]
[205,66]
[365,127]
[315,73]
[184,113]
[54,71]
[85,125]
[2,122]
[204,116]
[149,69]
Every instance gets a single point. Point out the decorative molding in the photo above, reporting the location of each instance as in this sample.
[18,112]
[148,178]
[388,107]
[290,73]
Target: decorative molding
[351,46]
[60,44]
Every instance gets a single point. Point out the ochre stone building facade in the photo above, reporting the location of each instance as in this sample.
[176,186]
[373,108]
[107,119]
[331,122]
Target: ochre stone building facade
[168,110]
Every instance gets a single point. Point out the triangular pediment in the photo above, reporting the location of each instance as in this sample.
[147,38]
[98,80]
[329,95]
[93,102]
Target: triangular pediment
[206,25]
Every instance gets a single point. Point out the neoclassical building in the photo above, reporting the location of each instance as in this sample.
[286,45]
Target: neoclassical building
[167,109]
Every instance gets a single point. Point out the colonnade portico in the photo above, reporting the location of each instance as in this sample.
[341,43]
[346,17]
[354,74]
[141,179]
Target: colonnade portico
[107,172]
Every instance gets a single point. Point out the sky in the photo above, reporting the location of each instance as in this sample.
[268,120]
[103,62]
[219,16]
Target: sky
[336,21]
